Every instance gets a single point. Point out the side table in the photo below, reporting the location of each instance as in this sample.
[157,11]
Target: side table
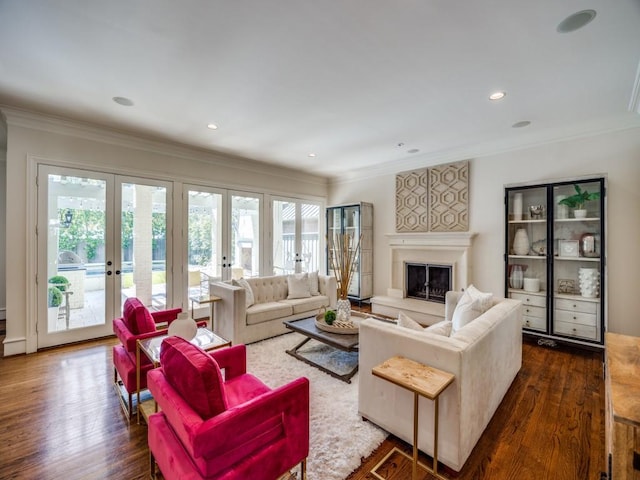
[203,300]
[420,380]
[150,347]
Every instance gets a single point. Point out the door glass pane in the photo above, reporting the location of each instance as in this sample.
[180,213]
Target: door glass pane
[284,237]
[245,236]
[143,247]
[204,241]
[310,228]
[75,252]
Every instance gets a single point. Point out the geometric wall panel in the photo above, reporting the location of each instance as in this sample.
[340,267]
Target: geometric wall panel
[412,209]
[449,197]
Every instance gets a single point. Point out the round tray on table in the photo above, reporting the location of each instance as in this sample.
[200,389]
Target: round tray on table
[356,318]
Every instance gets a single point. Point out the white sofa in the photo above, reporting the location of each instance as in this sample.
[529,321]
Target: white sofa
[485,355]
[264,319]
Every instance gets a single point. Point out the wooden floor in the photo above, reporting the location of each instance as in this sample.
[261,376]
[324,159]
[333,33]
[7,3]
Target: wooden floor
[60,419]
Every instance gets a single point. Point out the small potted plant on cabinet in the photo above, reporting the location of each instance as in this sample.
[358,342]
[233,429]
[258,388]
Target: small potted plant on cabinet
[578,200]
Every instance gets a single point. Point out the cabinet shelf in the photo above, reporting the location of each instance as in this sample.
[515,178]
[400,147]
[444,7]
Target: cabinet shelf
[575,297]
[537,220]
[578,259]
[530,257]
[540,293]
[573,220]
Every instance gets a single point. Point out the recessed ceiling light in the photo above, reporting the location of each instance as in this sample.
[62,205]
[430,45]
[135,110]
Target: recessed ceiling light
[124,101]
[497,95]
[212,126]
[312,154]
[575,21]
[523,123]
[413,150]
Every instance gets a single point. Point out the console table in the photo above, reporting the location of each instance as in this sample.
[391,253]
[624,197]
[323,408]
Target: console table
[622,420]
[420,380]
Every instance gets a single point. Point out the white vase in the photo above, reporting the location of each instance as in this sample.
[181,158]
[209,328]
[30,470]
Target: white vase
[589,281]
[184,326]
[580,213]
[517,277]
[343,309]
[521,242]
[562,211]
[517,206]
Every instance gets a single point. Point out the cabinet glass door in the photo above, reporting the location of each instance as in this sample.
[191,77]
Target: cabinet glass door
[527,246]
[577,233]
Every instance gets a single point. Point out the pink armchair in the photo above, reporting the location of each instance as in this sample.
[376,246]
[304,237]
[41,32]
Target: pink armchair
[227,426]
[136,323]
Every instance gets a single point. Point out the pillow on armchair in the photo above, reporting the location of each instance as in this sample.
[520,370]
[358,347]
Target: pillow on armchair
[137,317]
[195,375]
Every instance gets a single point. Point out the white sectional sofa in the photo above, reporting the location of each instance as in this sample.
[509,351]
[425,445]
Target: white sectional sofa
[264,318]
[485,355]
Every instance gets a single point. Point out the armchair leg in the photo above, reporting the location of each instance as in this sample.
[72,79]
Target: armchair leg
[303,469]
[152,465]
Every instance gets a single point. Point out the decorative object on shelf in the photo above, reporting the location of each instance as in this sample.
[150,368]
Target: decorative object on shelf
[588,245]
[539,247]
[568,248]
[517,277]
[531,285]
[183,326]
[567,286]
[517,206]
[562,210]
[578,200]
[536,211]
[521,242]
[589,280]
[343,254]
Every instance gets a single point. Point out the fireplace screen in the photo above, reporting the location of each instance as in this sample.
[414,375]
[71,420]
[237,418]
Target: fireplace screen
[427,282]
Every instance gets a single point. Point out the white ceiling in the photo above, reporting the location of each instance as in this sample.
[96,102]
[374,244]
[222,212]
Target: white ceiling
[348,80]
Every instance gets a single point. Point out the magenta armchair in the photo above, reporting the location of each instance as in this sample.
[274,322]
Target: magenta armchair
[224,427]
[136,323]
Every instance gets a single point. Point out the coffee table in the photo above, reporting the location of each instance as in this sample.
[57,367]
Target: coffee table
[345,343]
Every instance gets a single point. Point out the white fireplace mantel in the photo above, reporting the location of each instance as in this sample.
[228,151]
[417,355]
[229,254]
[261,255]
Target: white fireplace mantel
[433,239]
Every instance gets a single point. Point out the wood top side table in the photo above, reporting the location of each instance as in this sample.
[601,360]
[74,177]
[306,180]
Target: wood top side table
[203,300]
[150,347]
[420,380]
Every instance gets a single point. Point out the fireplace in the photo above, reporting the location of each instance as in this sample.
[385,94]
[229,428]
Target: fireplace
[428,282]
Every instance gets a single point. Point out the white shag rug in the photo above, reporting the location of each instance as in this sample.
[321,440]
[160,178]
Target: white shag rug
[339,439]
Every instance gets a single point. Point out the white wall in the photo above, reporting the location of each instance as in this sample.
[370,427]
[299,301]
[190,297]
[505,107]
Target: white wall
[31,135]
[615,154]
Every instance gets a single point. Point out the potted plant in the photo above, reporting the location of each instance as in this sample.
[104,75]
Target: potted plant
[54,300]
[577,201]
[60,282]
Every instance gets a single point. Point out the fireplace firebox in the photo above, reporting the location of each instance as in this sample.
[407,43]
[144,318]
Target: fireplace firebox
[427,281]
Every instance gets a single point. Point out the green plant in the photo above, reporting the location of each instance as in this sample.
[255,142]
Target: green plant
[59,281]
[578,199]
[54,297]
[329,317]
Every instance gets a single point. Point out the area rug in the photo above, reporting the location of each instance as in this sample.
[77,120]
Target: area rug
[339,438]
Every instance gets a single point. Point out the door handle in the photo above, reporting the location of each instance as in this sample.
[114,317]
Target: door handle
[108,272]
[117,272]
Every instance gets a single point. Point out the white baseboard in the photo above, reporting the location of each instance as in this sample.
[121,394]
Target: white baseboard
[14,346]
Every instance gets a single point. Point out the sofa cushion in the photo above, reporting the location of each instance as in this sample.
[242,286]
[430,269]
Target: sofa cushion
[466,310]
[301,305]
[195,375]
[137,317]
[441,328]
[485,300]
[314,283]
[263,312]
[298,285]
[249,298]
[472,331]
[268,289]
[406,321]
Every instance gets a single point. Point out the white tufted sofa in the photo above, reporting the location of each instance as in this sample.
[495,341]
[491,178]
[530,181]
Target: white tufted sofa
[485,355]
[264,319]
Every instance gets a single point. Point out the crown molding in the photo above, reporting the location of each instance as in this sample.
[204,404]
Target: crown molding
[616,123]
[88,131]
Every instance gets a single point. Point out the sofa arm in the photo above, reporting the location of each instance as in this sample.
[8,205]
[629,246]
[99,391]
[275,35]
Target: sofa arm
[231,310]
[327,285]
[166,316]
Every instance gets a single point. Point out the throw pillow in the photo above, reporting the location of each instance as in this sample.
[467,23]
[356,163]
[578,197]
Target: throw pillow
[195,375]
[406,321]
[466,310]
[298,284]
[314,283]
[441,328]
[484,299]
[248,292]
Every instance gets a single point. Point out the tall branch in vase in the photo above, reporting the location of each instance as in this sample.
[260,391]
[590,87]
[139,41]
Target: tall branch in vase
[343,257]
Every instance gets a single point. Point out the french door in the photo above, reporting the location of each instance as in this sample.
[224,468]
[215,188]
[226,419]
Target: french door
[101,239]
[296,236]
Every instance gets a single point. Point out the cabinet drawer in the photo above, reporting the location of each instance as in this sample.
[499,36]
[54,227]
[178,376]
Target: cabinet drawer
[535,300]
[576,305]
[534,323]
[588,319]
[529,311]
[575,330]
